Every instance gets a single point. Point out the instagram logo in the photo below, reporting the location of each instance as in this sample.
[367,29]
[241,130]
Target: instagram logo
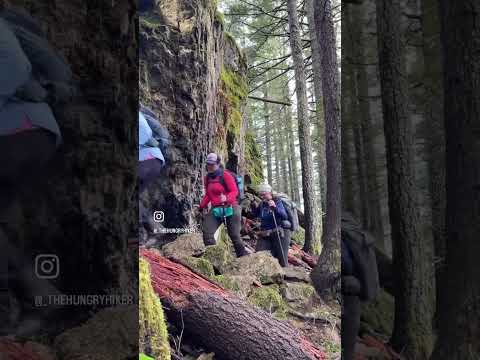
[158,216]
[47,266]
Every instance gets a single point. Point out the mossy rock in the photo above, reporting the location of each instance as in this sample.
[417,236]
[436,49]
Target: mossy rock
[152,326]
[221,254]
[203,266]
[269,299]
[299,293]
[240,285]
[379,314]
[261,265]
[253,158]
[298,237]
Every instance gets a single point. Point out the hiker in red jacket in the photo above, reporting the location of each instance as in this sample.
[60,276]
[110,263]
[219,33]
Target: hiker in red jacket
[221,193]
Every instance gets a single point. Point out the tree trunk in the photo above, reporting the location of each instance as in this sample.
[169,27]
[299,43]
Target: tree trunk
[436,130]
[329,262]
[412,329]
[374,222]
[317,86]
[283,155]
[276,139]
[268,138]
[312,239]
[292,154]
[459,321]
[221,322]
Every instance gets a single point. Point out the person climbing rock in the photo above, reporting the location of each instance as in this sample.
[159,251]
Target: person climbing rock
[151,137]
[30,75]
[275,227]
[221,192]
[359,279]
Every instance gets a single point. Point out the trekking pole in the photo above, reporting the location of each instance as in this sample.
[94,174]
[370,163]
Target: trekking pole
[278,235]
[224,217]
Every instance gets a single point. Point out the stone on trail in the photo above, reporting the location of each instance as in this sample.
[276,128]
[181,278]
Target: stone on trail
[241,285]
[294,273]
[261,265]
[298,292]
[184,246]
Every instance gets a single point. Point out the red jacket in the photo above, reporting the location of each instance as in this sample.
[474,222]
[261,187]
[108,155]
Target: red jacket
[214,188]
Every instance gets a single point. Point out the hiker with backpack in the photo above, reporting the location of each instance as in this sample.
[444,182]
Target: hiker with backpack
[275,226]
[153,141]
[360,281]
[33,79]
[222,194]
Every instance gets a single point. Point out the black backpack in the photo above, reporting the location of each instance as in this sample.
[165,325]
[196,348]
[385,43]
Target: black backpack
[291,209]
[362,249]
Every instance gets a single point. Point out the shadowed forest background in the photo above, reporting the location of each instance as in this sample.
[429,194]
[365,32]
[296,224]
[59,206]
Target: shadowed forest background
[410,102]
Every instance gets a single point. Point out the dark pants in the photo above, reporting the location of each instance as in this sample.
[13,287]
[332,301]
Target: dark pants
[279,248]
[350,325]
[23,160]
[234,224]
[148,172]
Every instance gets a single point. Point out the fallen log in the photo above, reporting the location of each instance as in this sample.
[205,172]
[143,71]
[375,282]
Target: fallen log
[307,258]
[220,321]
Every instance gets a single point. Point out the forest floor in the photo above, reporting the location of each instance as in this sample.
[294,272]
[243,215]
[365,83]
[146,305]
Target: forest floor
[287,294]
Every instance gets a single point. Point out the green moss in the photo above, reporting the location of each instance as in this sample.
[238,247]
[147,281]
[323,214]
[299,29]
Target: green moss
[227,282]
[152,326]
[203,266]
[298,237]
[219,17]
[144,357]
[268,298]
[150,20]
[332,348]
[253,159]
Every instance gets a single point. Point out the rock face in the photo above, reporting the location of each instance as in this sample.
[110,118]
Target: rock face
[86,209]
[192,75]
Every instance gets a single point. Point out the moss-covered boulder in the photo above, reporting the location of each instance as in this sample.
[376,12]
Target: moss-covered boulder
[298,293]
[239,284]
[269,299]
[94,339]
[220,254]
[298,237]
[201,265]
[262,265]
[379,314]
[184,246]
[153,335]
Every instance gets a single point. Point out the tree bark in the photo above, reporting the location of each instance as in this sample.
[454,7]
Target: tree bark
[459,321]
[220,321]
[279,180]
[373,217]
[412,329]
[284,155]
[317,86]
[292,154]
[268,138]
[328,266]
[436,130]
[312,240]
